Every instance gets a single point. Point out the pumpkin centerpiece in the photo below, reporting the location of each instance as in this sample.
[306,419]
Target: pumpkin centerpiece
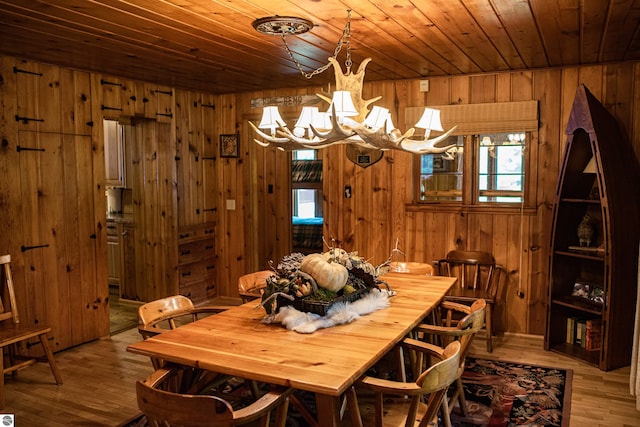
[328,275]
[314,282]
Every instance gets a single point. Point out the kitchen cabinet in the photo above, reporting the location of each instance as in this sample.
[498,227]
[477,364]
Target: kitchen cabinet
[196,262]
[128,271]
[114,154]
[113,258]
[121,258]
[594,241]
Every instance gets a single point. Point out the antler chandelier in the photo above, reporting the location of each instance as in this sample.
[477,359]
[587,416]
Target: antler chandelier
[348,119]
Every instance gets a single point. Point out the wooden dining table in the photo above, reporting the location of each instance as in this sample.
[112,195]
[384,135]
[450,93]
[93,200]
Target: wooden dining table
[326,362]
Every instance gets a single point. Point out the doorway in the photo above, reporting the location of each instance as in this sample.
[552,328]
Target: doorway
[122,313]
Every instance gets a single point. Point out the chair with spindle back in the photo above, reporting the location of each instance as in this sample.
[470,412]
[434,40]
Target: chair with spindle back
[14,335]
[412,267]
[163,398]
[167,313]
[478,278]
[463,330]
[396,403]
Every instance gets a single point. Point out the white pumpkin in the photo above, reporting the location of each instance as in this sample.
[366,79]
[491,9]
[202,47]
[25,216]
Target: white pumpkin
[329,275]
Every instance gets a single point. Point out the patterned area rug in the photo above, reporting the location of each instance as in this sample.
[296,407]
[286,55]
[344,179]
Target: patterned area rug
[505,394]
[499,394]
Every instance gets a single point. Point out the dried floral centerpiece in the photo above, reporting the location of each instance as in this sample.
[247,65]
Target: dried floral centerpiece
[314,282]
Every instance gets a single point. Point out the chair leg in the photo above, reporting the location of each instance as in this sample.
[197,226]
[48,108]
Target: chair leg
[51,359]
[281,413]
[354,409]
[489,327]
[402,370]
[462,399]
[444,409]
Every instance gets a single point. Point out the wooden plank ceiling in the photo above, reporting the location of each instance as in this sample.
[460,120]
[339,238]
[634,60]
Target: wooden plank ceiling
[210,45]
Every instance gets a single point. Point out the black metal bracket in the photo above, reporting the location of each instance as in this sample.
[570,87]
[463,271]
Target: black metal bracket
[18,70]
[210,210]
[19,149]
[26,120]
[165,114]
[209,105]
[104,82]
[166,92]
[104,107]
[208,158]
[28,248]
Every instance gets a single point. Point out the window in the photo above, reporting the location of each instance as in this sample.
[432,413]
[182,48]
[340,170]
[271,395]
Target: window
[492,163]
[307,184]
[492,171]
[441,174]
[501,167]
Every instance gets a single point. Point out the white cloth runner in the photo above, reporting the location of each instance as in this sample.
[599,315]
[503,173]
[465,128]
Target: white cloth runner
[338,314]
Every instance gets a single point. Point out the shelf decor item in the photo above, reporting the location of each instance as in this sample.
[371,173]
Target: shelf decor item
[593,254]
[585,231]
[315,282]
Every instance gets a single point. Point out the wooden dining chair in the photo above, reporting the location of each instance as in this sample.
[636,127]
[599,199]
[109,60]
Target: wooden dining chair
[164,314]
[408,407]
[463,330]
[478,278]
[15,336]
[251,285]
[163,400]
[421,269]
[412,267]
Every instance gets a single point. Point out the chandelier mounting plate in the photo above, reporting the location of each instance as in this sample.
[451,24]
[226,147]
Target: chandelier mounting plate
[282,25]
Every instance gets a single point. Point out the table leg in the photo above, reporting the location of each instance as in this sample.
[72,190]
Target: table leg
[328,410]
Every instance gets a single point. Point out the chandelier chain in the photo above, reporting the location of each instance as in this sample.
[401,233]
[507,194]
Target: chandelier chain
[346,35]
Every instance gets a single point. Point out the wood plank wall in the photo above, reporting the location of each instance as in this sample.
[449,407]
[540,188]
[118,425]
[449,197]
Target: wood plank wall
[179,128]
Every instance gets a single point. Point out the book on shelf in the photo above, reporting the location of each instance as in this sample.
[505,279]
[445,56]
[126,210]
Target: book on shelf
[584,333]
[593,337]
[581,331]
[571,329]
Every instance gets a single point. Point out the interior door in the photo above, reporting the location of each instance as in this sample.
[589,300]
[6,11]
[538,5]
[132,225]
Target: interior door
[58,286]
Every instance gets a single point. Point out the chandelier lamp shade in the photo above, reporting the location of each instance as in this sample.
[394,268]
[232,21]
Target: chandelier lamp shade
[348,119]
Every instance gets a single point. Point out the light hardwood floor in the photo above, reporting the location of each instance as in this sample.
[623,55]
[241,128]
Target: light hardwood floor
[99,380]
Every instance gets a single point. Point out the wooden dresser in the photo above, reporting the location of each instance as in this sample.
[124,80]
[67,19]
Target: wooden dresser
[196,262]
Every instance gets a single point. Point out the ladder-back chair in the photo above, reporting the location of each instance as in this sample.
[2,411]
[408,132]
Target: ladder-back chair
[478,278]
[15,335]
